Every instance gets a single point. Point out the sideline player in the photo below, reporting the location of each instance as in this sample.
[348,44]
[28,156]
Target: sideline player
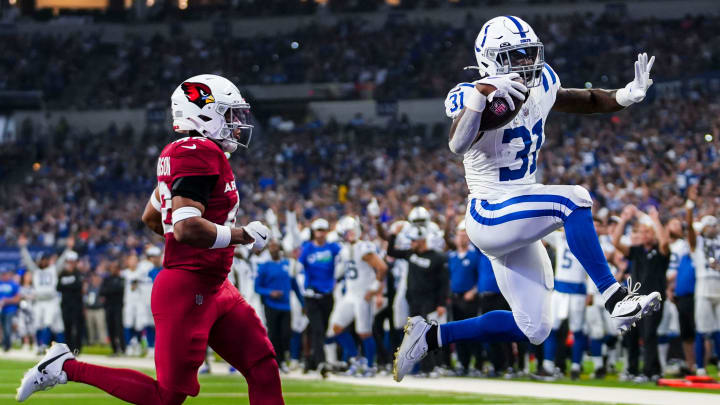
[364,273]
[508,212]
[193,303]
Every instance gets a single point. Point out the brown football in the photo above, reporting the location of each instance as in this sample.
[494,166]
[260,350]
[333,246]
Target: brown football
[497,113]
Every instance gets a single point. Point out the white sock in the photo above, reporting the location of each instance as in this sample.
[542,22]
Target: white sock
[663,352]
[549,366]
[597,362]
[610,291]
[331,353]
[439,337]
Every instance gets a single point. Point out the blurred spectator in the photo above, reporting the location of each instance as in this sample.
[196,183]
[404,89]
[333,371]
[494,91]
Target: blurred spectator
[9,299]
[94,312]
[649,260]
[70,285]
[112,291]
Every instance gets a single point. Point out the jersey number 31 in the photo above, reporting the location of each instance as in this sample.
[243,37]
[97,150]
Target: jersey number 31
[506,173]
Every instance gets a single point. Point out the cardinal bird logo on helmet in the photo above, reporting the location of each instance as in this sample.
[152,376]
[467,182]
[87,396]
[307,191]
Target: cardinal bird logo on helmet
[198,93]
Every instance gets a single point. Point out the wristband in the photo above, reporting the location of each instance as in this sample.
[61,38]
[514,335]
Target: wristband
[476,101]
[222,237]
[689,204]
[375,286]
[155,202]
[184,213]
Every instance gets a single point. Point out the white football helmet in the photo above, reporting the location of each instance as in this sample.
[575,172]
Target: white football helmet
[347,224]
[212,106]
[509,45]
[419,216]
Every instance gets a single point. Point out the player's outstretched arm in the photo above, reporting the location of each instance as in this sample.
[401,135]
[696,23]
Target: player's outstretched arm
[591,101]
[191,228]
[152,216]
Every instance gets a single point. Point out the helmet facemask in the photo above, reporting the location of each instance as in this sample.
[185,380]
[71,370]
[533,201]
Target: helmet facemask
[237,129]
[525,59]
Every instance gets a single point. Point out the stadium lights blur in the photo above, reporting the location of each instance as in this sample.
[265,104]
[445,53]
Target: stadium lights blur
[708,138]
[150,3]
[182,4]
[12,2]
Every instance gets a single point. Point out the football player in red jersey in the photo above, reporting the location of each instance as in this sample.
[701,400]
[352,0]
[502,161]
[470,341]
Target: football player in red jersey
[193,303]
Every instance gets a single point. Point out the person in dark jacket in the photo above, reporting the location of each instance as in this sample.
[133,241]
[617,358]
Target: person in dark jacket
[112,291]
[274,283]
[427,280]
[70,286]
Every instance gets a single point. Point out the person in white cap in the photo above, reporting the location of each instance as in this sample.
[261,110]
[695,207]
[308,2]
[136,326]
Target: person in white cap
[318,258]
[70,285]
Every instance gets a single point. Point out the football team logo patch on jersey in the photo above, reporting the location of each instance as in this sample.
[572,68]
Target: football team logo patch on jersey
[198,93]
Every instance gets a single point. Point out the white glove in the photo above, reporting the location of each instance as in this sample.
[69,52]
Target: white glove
[506,88]
[373,208]
[259,232]
[635,91]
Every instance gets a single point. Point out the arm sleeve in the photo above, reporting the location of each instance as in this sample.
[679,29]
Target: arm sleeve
[196,188]
[397,253]
[27,259]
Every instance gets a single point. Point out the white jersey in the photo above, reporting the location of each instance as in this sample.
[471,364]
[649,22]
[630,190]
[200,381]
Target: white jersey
[135,285]
[506,158]
[45,284]
[706,259]
[678,249]
[359,275]
[567,267]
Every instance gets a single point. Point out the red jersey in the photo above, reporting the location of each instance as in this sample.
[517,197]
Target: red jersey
[197,156]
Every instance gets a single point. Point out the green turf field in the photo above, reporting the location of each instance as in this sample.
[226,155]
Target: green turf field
[231,390]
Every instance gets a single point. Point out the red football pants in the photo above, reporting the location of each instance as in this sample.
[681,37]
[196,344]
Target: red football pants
[190,312]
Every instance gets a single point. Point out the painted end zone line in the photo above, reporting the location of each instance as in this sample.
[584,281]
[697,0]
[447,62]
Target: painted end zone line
[535,390]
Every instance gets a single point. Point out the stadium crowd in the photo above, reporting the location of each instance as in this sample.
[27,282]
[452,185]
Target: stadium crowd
[86,192]
[398,60]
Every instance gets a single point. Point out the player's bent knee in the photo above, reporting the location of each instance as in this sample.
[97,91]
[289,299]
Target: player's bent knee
[582,196]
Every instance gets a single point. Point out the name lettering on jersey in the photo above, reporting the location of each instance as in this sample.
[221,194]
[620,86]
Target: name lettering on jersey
[230,186]
[163,166]
[420,261]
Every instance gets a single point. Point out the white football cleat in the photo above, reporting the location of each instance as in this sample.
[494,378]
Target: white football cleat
[633,307]
[414,347]
[47,373]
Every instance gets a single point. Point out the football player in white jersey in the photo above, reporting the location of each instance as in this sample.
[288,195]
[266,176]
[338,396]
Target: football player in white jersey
[135,315]
[508,212]
[568,302]
[46,305]
[705,249]
[364,272]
